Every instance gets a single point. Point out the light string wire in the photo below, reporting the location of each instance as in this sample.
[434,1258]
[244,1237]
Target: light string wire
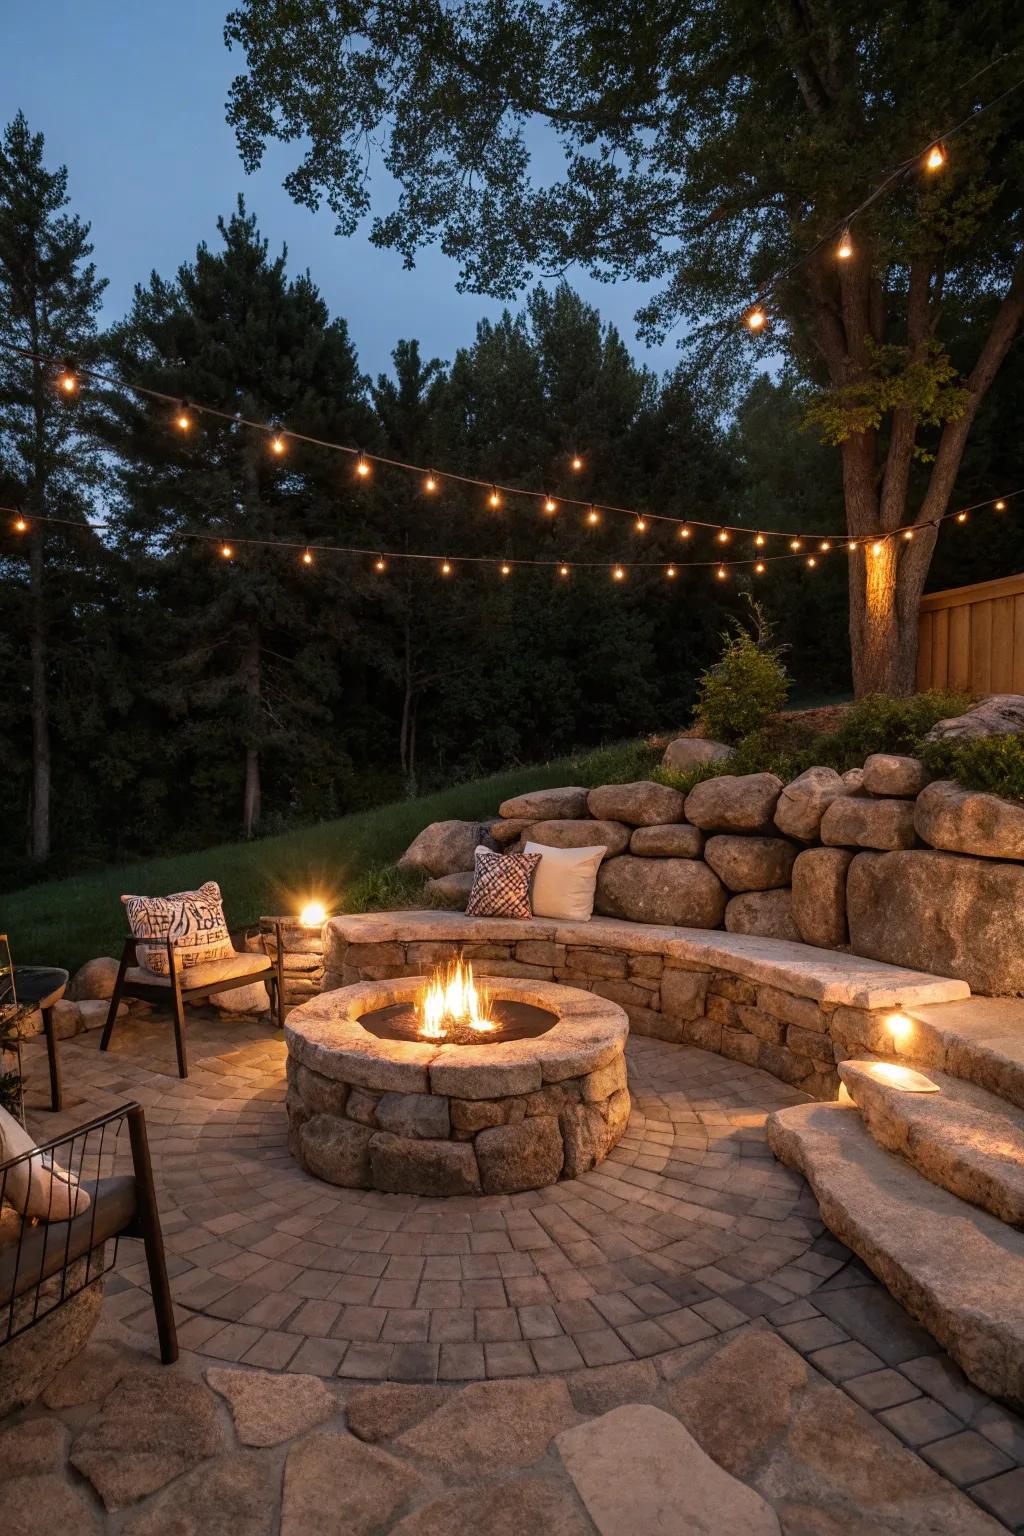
[228,542]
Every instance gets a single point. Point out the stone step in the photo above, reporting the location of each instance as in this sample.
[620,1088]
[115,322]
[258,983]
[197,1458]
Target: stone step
[961,1137]
[980,1039]
[954,1267]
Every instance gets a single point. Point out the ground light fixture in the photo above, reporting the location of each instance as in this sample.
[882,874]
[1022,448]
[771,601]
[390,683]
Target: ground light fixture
[313,915]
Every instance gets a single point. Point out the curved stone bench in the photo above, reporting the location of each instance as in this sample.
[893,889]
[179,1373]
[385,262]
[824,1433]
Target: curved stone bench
[785,1007]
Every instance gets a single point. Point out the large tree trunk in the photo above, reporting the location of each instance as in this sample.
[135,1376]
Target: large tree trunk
[251,677]
[39,825]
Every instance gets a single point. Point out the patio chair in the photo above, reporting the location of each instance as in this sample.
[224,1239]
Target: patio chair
[197,984]
[44,1264]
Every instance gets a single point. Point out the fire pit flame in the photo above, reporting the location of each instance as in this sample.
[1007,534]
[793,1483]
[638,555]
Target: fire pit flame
[452,1003]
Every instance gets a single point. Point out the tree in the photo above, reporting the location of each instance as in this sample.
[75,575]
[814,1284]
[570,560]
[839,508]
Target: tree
[253,667]
[705,148]
[49,298]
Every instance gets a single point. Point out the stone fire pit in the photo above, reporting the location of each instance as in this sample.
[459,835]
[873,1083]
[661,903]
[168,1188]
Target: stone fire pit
[542,1098]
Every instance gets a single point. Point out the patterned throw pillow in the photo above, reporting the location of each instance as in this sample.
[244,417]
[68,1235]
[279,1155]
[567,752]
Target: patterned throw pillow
[192,920]
[501,884]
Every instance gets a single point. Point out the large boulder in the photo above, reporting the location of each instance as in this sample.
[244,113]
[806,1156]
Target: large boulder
[769,914]
[443,848]
[1000,714]
[968,821]
[643,804]
[940,912]
[683,892]
[547,804]
[856,822]
[579,834]
[688,752]
[819,896]
[886,773]
[504,832]
[675,840]
[750,863]
[803,803]
[93,981]
[734,803]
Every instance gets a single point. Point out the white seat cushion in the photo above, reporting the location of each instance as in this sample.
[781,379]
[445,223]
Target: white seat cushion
[201,975]
[37,1187]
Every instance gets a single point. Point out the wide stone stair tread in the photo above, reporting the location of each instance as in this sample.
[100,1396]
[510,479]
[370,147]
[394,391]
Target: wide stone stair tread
[956,1268]
[979,1039]
[963,1138]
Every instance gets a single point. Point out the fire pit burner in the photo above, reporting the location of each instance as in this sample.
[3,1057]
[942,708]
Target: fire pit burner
[510,1020]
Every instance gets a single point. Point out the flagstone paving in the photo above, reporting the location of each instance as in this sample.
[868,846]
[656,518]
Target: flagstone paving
[690,1235]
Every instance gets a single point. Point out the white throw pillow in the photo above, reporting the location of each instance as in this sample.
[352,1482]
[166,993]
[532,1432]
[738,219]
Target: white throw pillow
[38,1186]
[565,881]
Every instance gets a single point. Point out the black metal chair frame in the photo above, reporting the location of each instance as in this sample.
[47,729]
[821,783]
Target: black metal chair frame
[177,990]
[120,1206]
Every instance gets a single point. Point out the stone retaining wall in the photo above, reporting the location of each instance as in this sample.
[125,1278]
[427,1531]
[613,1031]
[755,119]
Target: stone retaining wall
[303,951]
[768,1024]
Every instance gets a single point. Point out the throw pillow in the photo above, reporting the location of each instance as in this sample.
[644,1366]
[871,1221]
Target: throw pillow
[565,881]
[501,884]
[38,1186]
[193,920]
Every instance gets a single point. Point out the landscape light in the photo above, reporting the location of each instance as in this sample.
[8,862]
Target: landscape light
[313,915]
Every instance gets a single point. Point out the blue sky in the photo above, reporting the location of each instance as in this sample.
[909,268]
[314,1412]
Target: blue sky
[131,98]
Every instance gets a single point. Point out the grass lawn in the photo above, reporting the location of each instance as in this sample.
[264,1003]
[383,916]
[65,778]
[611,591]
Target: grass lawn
[343,863]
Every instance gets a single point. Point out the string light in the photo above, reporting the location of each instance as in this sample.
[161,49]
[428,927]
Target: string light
[961,517]
[684,532]
[593,516]
[380,564]
[721,573]
[759,540]
[307,557]
[362,466]
[550,505]
[226,551]
[506,569]
[755,319]
[446,568]
[852,545]
[844,250]
[825,546]
[759,567]
[876,548]
[935,159]
[723,535]
[430,483]
[999,506]
[577,462]
[796,545]
[671,572]
[20,525]
[563,570]
[908,534]
[183,420]
[641,525]
[494,500]
[68,380]
[811,561]
[618,573]
[277,444]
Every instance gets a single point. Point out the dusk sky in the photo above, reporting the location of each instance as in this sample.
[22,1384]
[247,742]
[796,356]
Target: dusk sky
[131,98]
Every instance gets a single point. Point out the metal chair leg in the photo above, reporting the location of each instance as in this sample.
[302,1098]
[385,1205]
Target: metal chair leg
[152,1238]
[115,999]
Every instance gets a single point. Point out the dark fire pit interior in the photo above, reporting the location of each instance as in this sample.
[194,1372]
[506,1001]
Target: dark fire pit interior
[512,1020]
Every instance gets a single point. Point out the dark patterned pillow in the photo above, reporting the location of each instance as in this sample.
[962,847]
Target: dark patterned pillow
[192,920]
[501,884]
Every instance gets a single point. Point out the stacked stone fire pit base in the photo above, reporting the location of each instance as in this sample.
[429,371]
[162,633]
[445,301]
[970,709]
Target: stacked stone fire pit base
[421,1118]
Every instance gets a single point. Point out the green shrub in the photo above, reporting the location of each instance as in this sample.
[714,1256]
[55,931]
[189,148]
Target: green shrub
[881,723]
[991,763]
[748,683]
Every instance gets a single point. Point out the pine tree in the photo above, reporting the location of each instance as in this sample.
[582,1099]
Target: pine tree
[49,298]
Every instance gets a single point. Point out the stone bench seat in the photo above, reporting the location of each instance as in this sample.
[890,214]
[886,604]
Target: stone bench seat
[785,1007]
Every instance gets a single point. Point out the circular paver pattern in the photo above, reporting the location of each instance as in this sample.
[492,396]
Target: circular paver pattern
[274,1268]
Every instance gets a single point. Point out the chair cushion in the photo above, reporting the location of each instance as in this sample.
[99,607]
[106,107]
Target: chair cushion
[193,921]
[36,1186]
[224,969]
[32,1254]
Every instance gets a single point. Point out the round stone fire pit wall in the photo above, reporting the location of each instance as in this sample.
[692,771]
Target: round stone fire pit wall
[417,1117]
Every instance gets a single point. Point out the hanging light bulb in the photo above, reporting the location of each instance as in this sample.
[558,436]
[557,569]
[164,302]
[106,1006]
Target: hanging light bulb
[593,516]
[961,517]
[796,545]
[811,561]
[362,466]
[307,557]
[380,564]
[908,534]
[759,540]
[20,525]
[618,573]
[563,570]
[755,319]
[494,500]
[671,572]
[506,569]
[723,535]
[721,573]
[852,545]
[226,551]
[183,420]
[446,568]
[641,525]
[844,250]
[876,548]
[68,380]
[999,506]
[430,483]
[935,159]
[685,531]
[577,462]
[550,505]
[277,443]
[825,546]
[759,567]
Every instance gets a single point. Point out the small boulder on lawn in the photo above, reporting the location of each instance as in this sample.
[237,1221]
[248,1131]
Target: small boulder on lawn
[452,890]
[885,773]
[443,848]
[1000,714]
[546,804]
[734,803]
[94,980]
[642,804]
[688,752]
[803,803]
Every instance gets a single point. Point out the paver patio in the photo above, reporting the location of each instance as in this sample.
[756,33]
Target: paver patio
[690,1234]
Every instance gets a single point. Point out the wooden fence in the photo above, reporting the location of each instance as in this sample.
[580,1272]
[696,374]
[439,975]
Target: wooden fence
[972,638]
